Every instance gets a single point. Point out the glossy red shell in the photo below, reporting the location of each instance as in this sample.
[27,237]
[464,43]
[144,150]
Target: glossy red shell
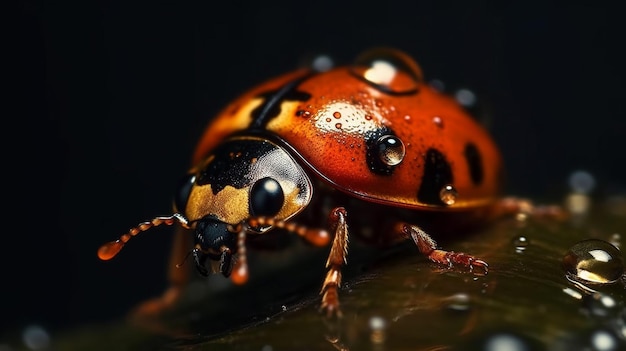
[328,129]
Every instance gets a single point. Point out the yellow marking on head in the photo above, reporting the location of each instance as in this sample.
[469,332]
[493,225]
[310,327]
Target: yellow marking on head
[231,205]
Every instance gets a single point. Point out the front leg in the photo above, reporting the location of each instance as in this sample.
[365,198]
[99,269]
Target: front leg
[428,247]
[336,258]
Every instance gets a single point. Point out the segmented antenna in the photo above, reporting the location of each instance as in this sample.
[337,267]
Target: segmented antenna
[317,237]
[111,249]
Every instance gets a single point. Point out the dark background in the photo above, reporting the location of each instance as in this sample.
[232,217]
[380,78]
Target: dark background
[110,98]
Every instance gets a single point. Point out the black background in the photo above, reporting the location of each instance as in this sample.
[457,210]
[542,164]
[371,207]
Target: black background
[110,98]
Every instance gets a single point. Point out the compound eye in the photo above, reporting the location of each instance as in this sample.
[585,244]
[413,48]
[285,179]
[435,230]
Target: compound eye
[182,192]
[266,197]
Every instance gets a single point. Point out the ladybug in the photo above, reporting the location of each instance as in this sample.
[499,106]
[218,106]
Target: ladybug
[371,147]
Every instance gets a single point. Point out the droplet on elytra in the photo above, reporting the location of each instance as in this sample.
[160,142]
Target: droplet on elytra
[337,114]
[521,243]
[594,261]
[389,70]
[448,195]
[438,121]
[391,150]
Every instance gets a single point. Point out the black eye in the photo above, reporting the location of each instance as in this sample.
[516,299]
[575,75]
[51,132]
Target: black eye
[266,197]
[182,193]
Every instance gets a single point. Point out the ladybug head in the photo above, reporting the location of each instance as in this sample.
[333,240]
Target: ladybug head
[242,187]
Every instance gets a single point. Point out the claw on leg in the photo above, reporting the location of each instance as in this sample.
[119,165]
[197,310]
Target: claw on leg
[428,247]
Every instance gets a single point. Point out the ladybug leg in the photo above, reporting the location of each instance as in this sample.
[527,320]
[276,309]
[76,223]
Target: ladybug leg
[319,237]
[336,258]
[428,247]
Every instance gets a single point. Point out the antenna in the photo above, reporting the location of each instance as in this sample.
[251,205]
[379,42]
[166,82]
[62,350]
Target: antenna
[112,248]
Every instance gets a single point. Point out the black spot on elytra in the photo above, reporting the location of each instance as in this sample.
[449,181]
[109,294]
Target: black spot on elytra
[272,99]
[374,163]
[474,162]
[437,174]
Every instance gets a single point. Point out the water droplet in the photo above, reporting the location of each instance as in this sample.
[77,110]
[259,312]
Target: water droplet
[448,195]
[322,63]
[368,117]
[328,119]
[377,323]
[407,118]
[604,340]
[391,150]
[438,121]
[594,261]
[303,113]
[338,125]
[377,326]
[581,182]
[438,85]
[458,302]
[521,243]
[388,70]
[337,114]
[573,293]
[36,337]
[465,97]
[505,340]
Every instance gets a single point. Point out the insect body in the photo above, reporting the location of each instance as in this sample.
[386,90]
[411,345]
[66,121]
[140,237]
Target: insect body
[371,147]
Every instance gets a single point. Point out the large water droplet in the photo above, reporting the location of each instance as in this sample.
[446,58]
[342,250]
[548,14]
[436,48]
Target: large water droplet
[448,195]
[389,70]
[594,261]
[391,150]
